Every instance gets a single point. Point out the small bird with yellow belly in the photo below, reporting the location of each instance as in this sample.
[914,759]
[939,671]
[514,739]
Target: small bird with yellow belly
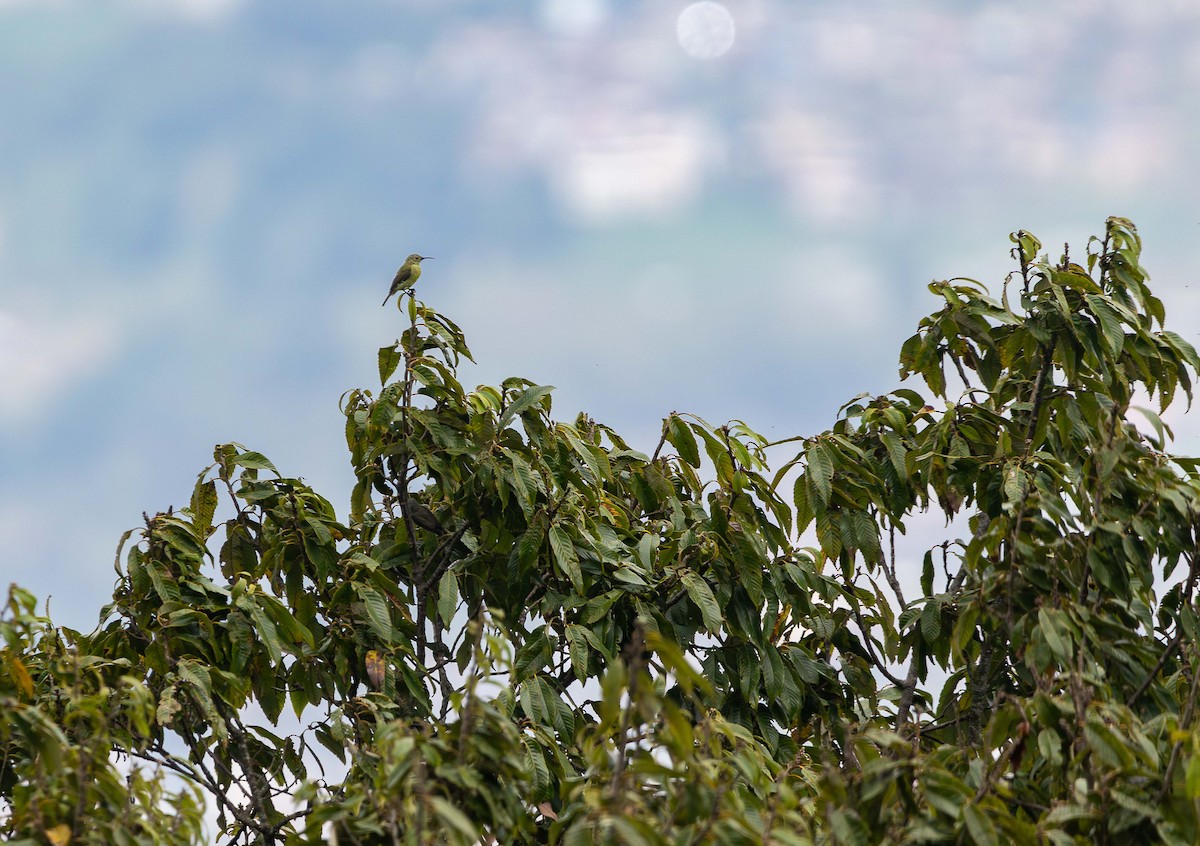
[407,275]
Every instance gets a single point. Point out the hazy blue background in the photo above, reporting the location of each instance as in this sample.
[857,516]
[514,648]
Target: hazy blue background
[202,203]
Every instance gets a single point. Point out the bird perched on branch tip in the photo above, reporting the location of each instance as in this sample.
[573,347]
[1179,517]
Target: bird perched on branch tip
[407,275]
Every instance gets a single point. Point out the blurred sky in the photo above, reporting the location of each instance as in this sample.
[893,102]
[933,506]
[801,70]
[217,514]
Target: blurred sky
[732,210]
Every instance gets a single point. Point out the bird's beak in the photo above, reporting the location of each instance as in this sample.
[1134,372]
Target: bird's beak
[426,258]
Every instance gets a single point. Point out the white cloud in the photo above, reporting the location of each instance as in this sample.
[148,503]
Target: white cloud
[574,18]
[819,166]
[42,356]
[1000,35]
[648,162]
[1127,155]
[850,45]
[197,10]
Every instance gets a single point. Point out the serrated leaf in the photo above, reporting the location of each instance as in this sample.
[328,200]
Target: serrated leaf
[1069,812]
[203,507]
[819,472]
[931,620]
[804,511]
[389,359]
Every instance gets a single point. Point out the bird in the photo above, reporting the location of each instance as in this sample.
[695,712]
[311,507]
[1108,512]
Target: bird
[423,517]
[407,275]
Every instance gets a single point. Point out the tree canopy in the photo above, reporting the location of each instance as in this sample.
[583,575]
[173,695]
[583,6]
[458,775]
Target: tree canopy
[524,630]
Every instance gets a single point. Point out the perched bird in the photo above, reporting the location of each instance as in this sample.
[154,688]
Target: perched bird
[421,516]
[407,275]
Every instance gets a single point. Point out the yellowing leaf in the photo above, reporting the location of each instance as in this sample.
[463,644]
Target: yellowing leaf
[20,675]
[376,668]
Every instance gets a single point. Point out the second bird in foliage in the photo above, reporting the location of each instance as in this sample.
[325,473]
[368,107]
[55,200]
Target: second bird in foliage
[407,275]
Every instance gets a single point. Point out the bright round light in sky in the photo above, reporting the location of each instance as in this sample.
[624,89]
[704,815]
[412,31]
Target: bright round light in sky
[705,30]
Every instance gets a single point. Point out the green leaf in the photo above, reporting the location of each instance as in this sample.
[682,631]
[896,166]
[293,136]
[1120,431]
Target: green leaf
[455,819]
[964,630]
[680,436]
[931,620]
[578,649]
[595,459]
[645,550]
[819,472]
[534,702]
[897,453]
[566,557]
[447,597]
[1016,483]
[255,461]
[1110,323]
[804,511]
[527,398]
[848,827]
[378,616]
[702,596]
[283,620]
[772,668]
[1056,638]
[1106,745]
[980,828]
[389,359]
[264,627]
[1192,778]
[634,832]
[523,481]
[203,507]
